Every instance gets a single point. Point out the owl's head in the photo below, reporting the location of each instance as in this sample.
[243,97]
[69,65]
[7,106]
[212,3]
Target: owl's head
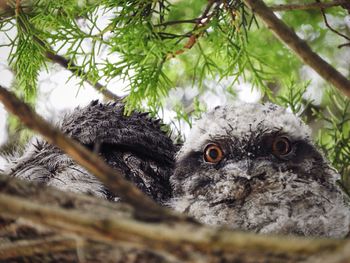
[254,167]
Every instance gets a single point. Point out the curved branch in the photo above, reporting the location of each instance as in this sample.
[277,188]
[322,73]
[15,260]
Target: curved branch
[92,218]
[38,246]
[330,27]
[112,178]
[299,46]
[291,7]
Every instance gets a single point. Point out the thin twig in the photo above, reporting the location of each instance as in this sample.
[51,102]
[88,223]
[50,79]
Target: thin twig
[176,22]
[344,45]
[299,46]
[112,178]
[18,7]
[69,65]
[330,27]
[196,33]
[291,7]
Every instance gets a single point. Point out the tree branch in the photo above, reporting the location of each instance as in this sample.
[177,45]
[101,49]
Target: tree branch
[112,178]
[41,246]
[69,65]
[299,46]
[96,219]
[291,7]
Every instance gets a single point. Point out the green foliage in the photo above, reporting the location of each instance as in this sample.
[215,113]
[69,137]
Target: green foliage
[147,36]
[334,137]
[292,97]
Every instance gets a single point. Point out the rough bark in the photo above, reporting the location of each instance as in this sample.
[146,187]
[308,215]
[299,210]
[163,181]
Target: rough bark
[45,223]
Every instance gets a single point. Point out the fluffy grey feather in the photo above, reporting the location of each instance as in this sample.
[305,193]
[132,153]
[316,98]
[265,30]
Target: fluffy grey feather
[252,187]
[133,143]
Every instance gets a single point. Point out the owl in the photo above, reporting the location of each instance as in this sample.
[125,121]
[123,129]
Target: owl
[135,144]
[247,166]
[254,167]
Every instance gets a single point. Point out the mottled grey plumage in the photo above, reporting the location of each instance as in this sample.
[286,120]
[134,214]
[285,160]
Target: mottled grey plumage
[133,143]
[253,189]
[249,189]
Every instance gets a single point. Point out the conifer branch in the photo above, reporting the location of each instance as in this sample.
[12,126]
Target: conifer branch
[69,65]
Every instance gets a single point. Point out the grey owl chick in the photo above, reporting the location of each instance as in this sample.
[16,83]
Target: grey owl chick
[134,143]
[254,167]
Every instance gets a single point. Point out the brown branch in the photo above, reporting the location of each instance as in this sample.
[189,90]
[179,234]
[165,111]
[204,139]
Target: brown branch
[176,22]
[69,65]
[344,45]
[92,218]
[42,246]
[299,46]
[112,178]
[291,7]
[18,6]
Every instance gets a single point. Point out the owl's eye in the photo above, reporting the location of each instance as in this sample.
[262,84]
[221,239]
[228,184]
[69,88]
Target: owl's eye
[213,153]
[281,146]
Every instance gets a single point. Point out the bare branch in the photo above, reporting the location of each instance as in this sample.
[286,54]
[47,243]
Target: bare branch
[299,46]
[69,65]
[344,45]
[330,27]
[112,178]
[91,218]
[41,246]
[291,7]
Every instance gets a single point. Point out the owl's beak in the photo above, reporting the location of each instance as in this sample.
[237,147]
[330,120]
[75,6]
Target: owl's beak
[245,169]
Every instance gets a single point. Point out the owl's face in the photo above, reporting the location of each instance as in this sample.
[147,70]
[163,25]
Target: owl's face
[253,167]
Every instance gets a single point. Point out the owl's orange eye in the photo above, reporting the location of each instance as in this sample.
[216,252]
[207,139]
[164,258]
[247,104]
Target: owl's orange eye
[281,146]
[213,153]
